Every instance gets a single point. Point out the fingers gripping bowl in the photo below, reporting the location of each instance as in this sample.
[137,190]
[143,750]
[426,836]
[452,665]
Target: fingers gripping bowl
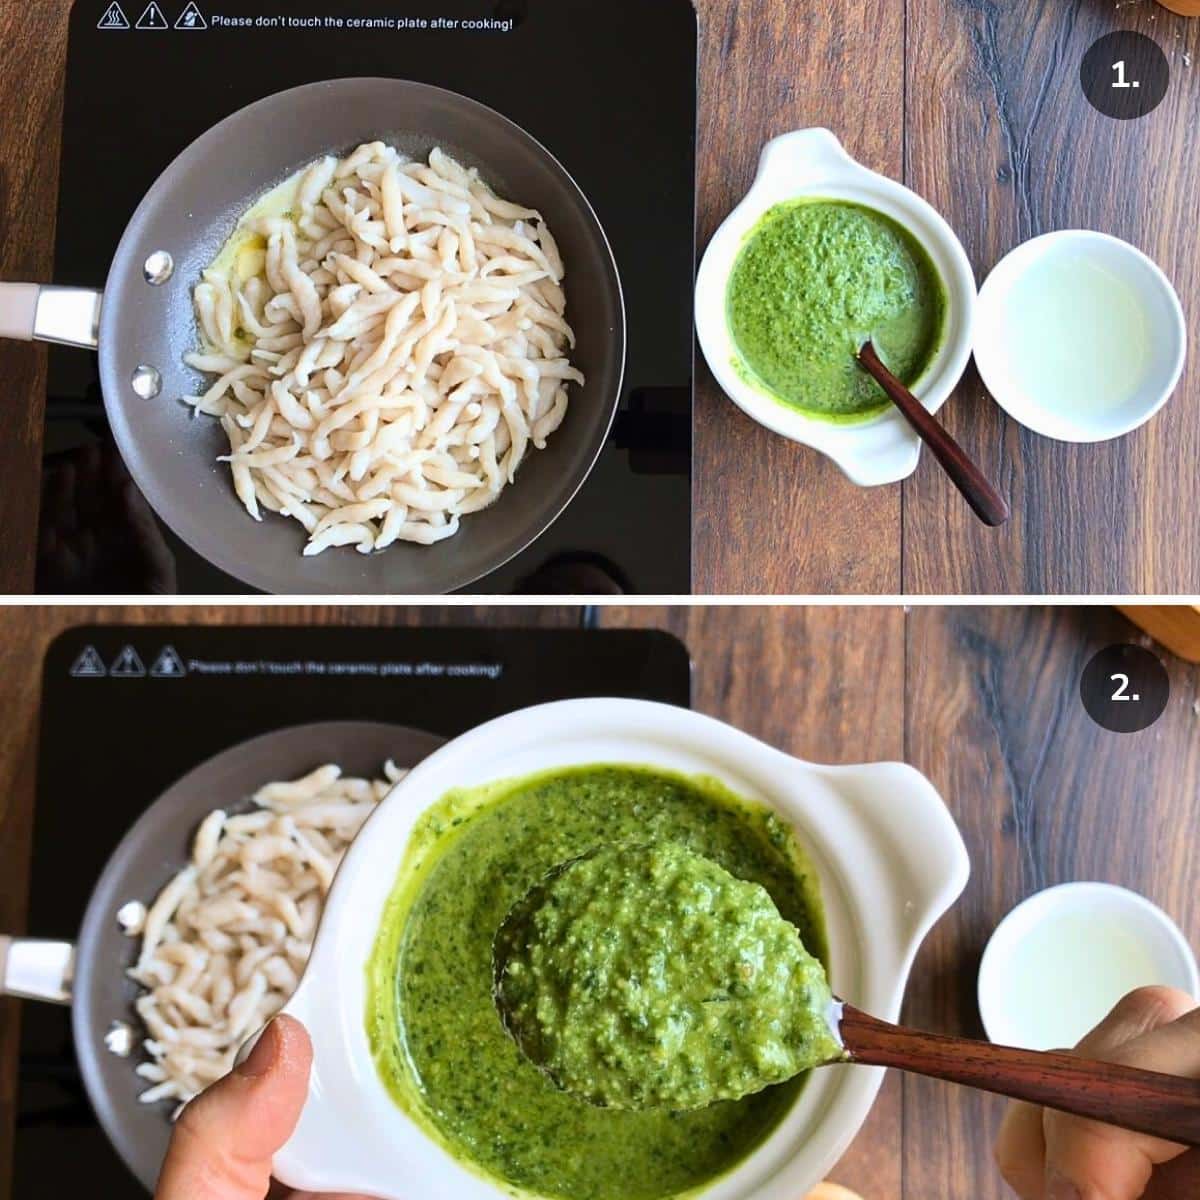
[885,850]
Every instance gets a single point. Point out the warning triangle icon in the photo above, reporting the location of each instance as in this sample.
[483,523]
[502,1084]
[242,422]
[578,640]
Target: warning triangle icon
[114,18]
[127,665]
[168,665]
[191,18]
[152,18]
[89,665]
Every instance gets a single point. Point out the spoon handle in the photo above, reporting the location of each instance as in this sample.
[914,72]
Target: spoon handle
[1165,1106]
[989,506]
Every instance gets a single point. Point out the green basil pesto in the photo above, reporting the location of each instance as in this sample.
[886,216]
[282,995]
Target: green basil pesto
[646,976]
[437,1038]
[813,281]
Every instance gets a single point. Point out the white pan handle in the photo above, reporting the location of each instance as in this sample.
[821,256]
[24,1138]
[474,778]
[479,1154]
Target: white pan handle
[31,312]
[36,970]
[18,310]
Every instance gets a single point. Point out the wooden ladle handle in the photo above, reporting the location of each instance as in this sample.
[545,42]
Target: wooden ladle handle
[989,506]
[1165,1106]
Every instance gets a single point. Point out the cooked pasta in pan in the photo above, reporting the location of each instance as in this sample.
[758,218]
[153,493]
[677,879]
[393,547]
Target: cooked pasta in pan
[390,341]
[225,942]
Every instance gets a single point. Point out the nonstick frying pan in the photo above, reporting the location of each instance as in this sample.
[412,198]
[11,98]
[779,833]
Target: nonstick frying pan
[190,212]
[90,973]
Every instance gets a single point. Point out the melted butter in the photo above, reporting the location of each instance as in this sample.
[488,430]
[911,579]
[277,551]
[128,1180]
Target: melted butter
[244,255]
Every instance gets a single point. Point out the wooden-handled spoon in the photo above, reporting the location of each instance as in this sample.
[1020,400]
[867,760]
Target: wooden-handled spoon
[1149,1102]
[599,944]
[1166,1106]
[989,506]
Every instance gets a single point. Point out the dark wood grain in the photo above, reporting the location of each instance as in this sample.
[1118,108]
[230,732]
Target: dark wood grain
[33,41]
[1150,1102]
[1042,795]
[771,516]
[20,671]
[1001,140]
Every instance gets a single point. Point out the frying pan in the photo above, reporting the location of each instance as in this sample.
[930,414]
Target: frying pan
[190,212]
[90,974]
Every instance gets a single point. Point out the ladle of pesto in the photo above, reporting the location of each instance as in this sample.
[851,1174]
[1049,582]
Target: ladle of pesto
[650,977]
[647,976]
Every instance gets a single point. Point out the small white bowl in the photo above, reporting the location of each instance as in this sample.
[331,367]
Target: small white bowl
[812,162]
[886,851]
[1021,1002]
[998,347]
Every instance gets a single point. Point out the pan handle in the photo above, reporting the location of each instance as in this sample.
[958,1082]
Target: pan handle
[32,312]
[36,970]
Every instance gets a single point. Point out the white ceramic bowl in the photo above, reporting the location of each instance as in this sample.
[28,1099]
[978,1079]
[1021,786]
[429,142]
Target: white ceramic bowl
[812,162]
[890,861]
[1106,907]
[997,346]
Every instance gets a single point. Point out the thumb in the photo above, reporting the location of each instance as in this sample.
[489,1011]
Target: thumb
[1092,1160]
[224,1140]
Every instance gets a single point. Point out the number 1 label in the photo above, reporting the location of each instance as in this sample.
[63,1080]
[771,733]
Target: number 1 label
[1121,82]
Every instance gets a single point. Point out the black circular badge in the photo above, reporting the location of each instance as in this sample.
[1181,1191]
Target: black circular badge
[1124,688]
[1125,75]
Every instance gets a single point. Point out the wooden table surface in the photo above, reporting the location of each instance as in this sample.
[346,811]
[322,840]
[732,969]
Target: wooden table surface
[983,700]
[979,108]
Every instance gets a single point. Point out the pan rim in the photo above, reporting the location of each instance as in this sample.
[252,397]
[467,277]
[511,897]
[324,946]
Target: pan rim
[207,542]
[89,1056]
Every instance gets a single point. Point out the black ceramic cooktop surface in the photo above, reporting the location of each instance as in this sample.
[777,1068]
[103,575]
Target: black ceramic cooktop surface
[127,711]
[609,86]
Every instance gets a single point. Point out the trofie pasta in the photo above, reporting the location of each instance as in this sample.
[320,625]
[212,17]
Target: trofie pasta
[387,350]
[224,943]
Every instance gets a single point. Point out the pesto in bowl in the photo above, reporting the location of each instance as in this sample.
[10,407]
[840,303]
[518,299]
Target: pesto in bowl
[437,1039]
[815,279]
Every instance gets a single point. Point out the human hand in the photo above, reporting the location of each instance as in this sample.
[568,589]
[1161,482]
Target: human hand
[1046,1155]
[224,1140]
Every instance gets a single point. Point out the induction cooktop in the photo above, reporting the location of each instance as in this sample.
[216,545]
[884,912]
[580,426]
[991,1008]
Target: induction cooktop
[140,706]
[608,86]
